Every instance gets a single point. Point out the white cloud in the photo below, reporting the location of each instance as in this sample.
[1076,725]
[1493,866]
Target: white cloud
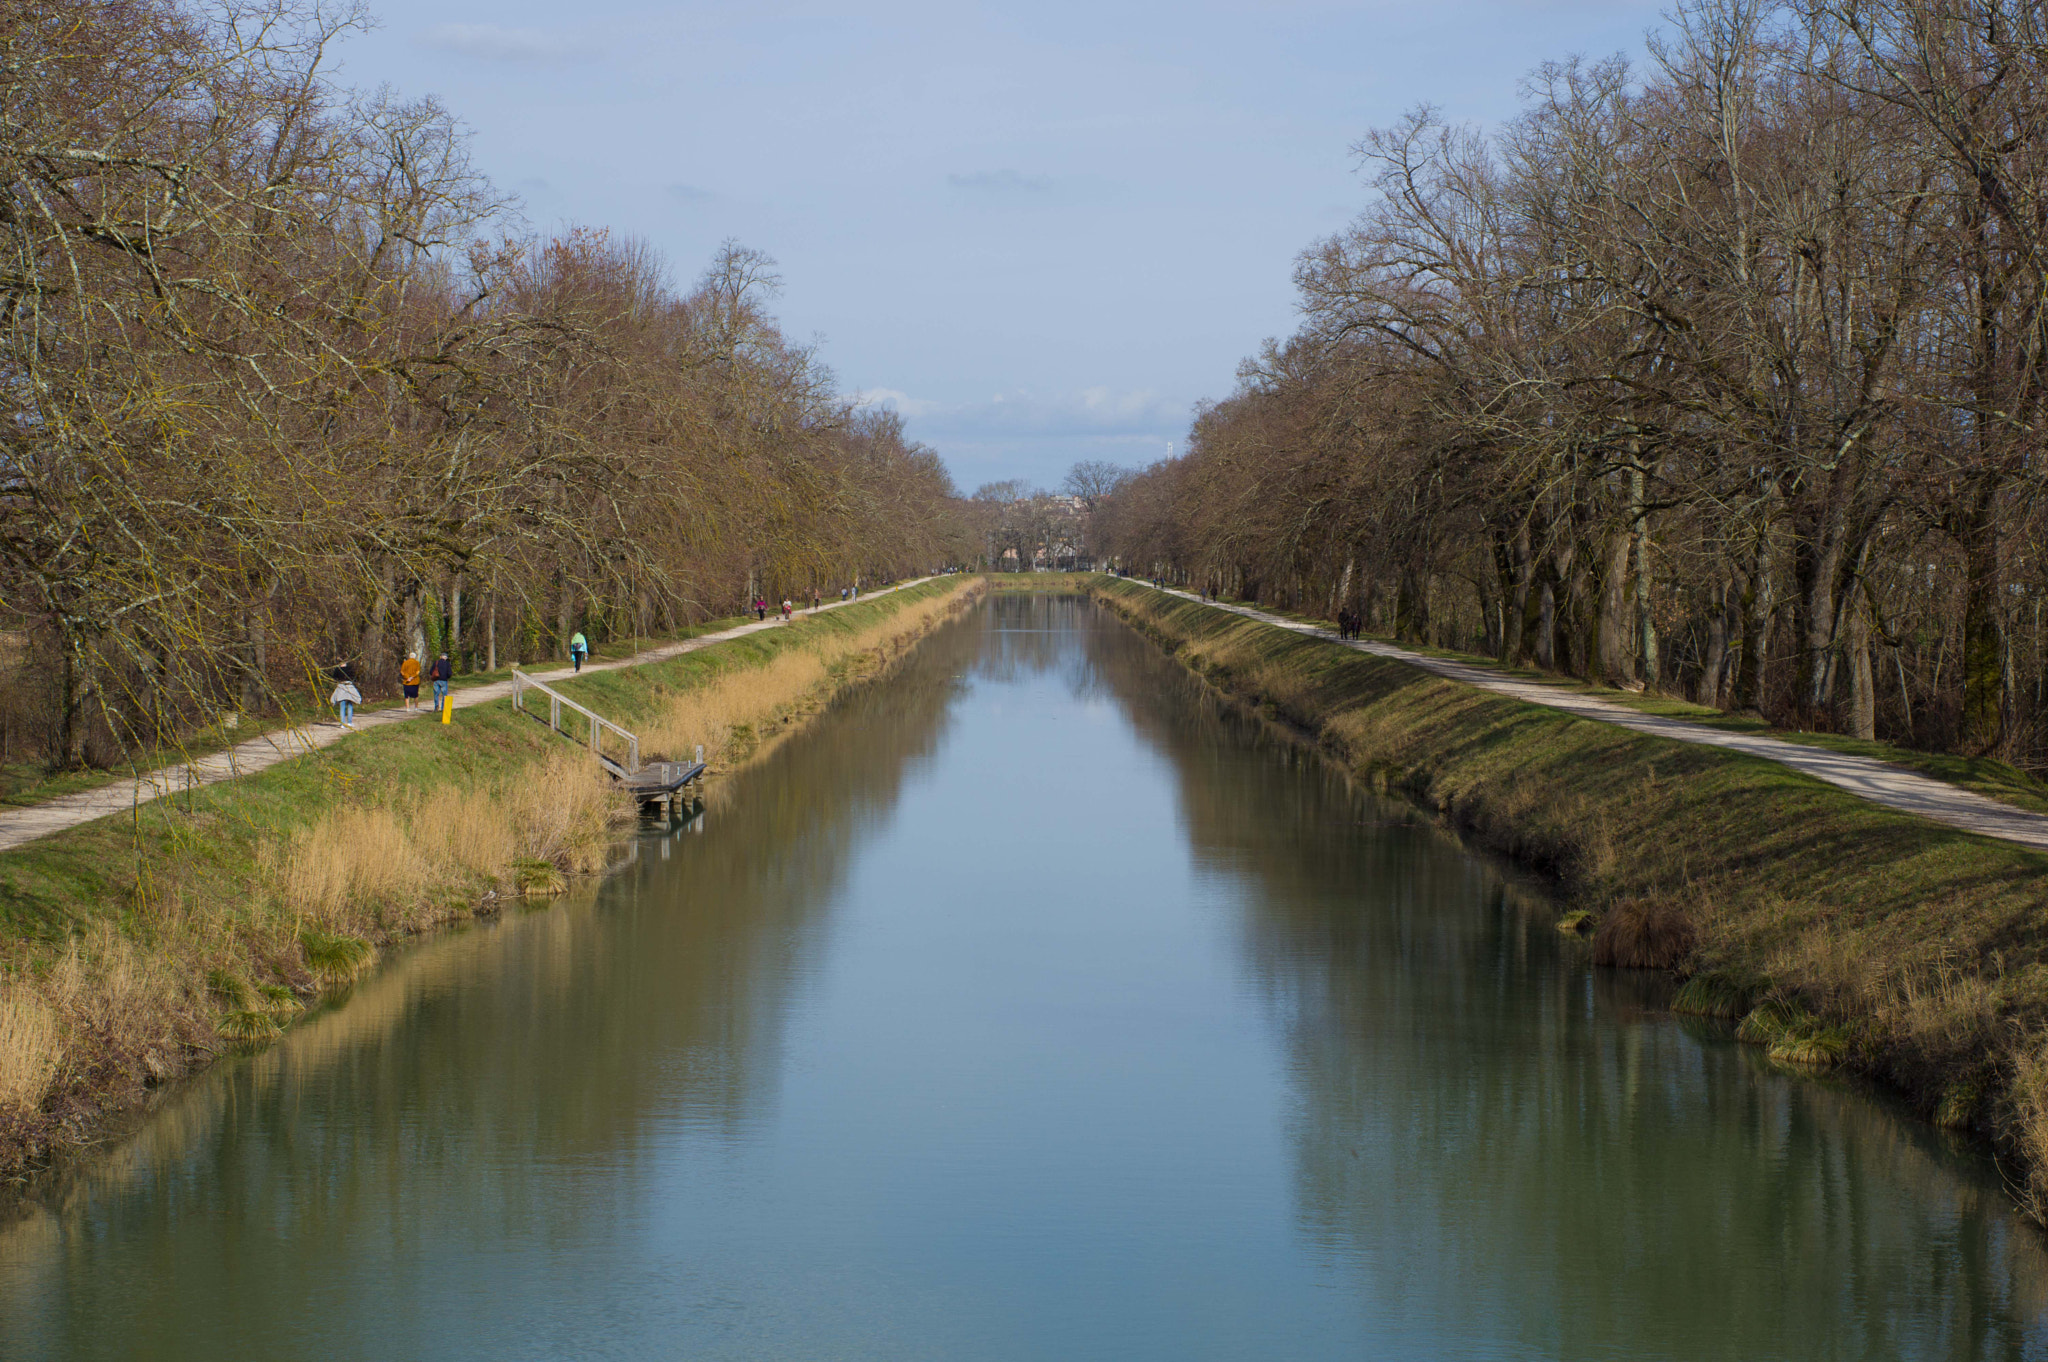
[1093,411]
[494,42]
[889,397]
[1000,182]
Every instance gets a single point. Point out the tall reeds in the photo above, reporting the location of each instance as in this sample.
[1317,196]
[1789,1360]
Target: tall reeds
[28,1051]
[377,869]
[196,966]
[730,713]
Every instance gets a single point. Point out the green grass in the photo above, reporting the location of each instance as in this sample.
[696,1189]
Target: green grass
[1981,775]
[201,845]
[1922,951]
[182,929]
[25,784]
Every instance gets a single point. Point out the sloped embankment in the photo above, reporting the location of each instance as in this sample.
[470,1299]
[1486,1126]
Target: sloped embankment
[1833,930]
[135,948]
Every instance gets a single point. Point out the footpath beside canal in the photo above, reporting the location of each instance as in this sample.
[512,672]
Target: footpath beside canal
[1836,928]
[133,948]
[21,825]
[1865,777]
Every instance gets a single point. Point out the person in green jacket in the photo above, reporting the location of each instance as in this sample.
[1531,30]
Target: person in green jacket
[579,648]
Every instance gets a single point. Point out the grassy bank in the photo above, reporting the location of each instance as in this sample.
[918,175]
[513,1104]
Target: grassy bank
[1825,928]
[135,948]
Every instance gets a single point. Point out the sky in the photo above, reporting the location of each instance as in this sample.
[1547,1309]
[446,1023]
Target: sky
[1041,231]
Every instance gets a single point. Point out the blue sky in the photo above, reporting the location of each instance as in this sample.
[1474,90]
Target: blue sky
[1043,231]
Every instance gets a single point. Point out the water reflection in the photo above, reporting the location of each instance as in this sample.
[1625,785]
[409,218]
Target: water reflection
[1033,1005]
[1521,1149]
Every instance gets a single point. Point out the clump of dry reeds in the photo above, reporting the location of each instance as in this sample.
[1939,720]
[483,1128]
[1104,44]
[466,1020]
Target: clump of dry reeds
[1643,934]
[730,713]
[1711,993]
[109,1013]
[29,1051]
[363,870]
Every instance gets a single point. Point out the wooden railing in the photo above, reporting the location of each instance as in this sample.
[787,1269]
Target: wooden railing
[598,724]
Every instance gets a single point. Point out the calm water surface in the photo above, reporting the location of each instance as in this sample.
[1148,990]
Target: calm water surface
[1029,1007]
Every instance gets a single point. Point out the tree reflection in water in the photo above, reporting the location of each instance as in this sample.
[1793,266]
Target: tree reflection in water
[1495,1132]
[1034,1002]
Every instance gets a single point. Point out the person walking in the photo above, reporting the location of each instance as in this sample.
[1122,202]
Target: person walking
[760,609]
[787,609]
[409,677]
[346,695]
[579,648]
[442,674]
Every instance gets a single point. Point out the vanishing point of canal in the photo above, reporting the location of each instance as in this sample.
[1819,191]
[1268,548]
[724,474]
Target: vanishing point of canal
[1031,1005]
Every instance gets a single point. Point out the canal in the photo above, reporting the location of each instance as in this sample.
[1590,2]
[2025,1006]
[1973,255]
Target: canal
[1031,1005]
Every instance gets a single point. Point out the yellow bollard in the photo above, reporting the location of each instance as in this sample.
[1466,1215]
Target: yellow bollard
[448,708]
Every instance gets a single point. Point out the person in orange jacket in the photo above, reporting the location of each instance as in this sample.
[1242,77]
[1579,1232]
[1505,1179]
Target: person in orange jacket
[409,677]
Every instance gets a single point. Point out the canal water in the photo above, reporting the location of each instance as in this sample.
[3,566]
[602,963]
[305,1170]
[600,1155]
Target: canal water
[1032,1005]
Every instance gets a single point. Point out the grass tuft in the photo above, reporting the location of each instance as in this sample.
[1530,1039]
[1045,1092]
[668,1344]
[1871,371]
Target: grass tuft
[1643,934]
[1959,1105]
[538,877]
[231,988]
[1713,994]
[1769,1022]
[1811,1046]
[1578,922]
[335,959]
[248,1026]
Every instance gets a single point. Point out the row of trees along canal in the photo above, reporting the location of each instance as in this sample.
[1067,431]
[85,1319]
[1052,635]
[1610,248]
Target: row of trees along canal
[1724,375]
[287,384]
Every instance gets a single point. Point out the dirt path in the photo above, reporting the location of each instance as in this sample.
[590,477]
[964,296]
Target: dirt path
[1877,781]
[25,825]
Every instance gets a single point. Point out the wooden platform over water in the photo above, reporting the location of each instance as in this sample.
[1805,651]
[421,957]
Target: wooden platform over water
[650,783]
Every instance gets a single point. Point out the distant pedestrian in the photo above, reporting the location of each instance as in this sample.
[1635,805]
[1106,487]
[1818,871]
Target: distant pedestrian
[441,675]
[787,609]
[814,598]
[579,648]
[760,609]
[346,695]
[842,595]
[409,677]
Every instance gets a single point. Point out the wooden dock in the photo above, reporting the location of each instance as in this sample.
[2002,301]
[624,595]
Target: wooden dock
[652,783]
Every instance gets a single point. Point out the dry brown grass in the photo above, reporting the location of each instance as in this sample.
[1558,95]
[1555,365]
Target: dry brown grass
[28,1050]
[1643,934]
[375,869]
[732,713]
[1913,953]
[230,912]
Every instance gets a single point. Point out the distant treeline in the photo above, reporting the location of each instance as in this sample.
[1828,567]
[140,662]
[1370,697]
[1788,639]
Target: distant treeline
[1724,375]
[287,387]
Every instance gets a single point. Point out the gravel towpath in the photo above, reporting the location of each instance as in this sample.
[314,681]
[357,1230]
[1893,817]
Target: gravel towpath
[18,826]
[1879,782]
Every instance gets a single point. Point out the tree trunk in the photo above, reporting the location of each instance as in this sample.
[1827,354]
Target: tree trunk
[253,670]
[1862,715]
[415,635]
[455,621]
[1516,649]
[1758,605]
[1648,665]
[1986,699]
[1716,660]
